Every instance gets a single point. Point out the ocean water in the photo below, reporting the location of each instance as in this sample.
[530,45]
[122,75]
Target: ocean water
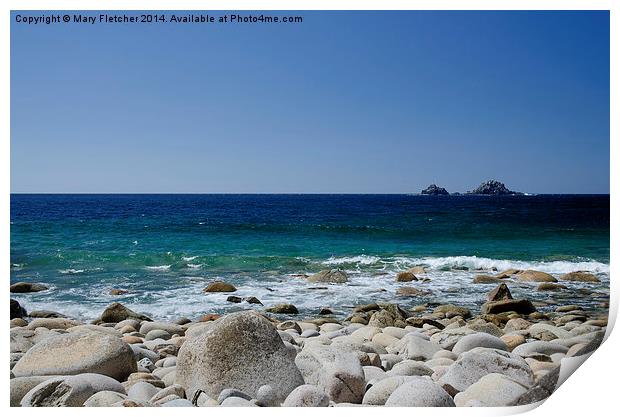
[165,249]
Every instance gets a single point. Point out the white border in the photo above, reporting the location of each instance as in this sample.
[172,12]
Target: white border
[591,391]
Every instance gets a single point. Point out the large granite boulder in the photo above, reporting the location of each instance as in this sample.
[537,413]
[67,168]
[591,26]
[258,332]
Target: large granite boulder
[434,190]
[492,390]
[77,353]
[336,371]
[478,362]
[21,385]
[117,312]
[330,276]
[69,391]
[243,351]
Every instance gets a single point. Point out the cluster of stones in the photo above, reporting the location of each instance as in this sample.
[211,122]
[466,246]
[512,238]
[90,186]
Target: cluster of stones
[382,354]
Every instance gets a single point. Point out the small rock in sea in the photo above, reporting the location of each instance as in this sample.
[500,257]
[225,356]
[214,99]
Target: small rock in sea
[252,300]
[434,190]
[24,287]
[332,276]
[417,270]
[324,311]
[501,292]
[419,392]
[233,299]
[478,362]
[508,273]
[406,276]
[306,396]
[69,391]
[485,279]
[534,276]
[580,276]
[283,309]
[337,372]
[17,311]
[116,291]
[492,390]
[116,312]
[502,306]
[242,350]
[412,292]
[220,286]
[82,352]
[45,314]
[550,286]
[567,308]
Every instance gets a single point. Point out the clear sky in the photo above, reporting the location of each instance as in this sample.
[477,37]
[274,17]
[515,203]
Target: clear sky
[352,102]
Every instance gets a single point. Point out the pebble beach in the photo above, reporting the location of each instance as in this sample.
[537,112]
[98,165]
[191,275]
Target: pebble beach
[508,351]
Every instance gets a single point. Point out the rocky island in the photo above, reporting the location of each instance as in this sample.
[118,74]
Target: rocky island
[434,190]
[493,187]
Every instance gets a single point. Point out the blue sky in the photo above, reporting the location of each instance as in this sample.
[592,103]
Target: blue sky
[353,102]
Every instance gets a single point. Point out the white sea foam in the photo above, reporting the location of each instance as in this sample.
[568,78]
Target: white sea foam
[194,266]
[189,258]
[470,262]
[71,271]
[474,262]
[360,260]
[159,268]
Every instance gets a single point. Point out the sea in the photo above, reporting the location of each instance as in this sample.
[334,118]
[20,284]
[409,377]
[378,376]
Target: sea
[164,249]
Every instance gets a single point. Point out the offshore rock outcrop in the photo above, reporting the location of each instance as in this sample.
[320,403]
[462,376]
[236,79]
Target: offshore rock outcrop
[493,187]
[434,190]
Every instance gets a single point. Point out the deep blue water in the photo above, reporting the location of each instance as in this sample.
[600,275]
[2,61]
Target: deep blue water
[164,248]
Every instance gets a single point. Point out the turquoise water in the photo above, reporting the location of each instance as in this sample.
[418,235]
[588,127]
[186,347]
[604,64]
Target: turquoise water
[165,248]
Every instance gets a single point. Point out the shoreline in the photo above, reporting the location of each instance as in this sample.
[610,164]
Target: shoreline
[505,353]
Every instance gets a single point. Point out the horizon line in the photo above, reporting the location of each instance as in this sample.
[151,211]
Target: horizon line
[461,194]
